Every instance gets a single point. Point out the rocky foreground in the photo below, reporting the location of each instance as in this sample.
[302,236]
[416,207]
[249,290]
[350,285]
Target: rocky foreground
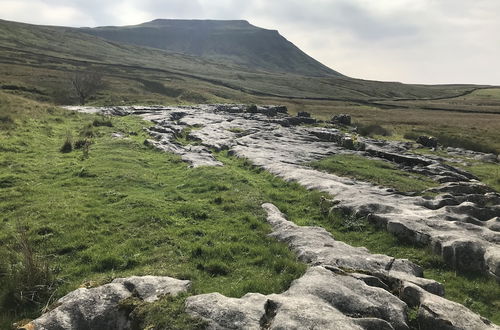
[345,287]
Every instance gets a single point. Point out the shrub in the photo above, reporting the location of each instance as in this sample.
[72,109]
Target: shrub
[68,144]
[252,108]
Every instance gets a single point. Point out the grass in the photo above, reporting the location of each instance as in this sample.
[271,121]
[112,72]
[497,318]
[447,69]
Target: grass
[126,209]
[488,173]
[376,171]
[184,138]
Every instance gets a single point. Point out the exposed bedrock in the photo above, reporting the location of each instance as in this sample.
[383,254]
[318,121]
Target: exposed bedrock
[98,308]
[461,223]
[346,288]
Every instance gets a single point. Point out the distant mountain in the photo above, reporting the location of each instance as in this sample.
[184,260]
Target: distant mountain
[236,41]
[38,60]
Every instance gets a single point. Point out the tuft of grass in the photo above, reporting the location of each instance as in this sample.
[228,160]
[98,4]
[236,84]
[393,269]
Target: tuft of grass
[166,313]
[375,171]
[27,280]
[102,121]
[68,144]
[184,138]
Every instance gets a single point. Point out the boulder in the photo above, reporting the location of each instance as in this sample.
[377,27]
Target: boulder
[427,141]
[98,308]
[343,119]
[303,114]
[435,312]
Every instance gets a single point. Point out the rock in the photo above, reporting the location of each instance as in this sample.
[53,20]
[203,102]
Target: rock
[320,299]
[315,246]
[427,141]
[98,308]
[347,142]
[285,148]
[487,158]
[343,119]
[303,114]
[293,121]
[435,312]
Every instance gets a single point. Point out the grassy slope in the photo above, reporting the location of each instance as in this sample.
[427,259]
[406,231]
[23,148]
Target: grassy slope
[128,210]
[30,45]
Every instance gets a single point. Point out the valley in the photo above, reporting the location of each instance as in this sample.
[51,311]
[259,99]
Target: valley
[182,166]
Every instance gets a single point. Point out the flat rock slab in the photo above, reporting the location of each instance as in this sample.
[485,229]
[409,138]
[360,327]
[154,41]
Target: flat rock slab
[461,224]
[98,308]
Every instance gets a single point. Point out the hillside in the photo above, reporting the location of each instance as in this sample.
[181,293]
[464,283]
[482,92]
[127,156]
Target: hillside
[238,42]
[41,57]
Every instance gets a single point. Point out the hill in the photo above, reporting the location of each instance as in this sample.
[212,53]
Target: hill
[40,58]
[237,42]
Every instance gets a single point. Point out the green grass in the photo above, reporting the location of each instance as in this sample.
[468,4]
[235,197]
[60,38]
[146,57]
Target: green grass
[376,171]
[183,137]
[125,209]
[128,209]
[488,173]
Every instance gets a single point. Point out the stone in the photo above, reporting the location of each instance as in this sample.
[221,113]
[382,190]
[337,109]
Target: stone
[343,119]
[285,147]
[320,299]
[427,141]
[303,114]
[435,312]
[98,308]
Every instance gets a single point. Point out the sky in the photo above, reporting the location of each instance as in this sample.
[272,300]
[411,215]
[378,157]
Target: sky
[412,41]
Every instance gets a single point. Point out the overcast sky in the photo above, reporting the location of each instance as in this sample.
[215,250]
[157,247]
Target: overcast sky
[413,41]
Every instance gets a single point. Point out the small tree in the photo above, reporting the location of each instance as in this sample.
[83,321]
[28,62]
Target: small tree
[86,84]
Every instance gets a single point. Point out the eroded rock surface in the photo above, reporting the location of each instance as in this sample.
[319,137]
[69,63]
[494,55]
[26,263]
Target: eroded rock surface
[347,288]
[98,308]
[461,224]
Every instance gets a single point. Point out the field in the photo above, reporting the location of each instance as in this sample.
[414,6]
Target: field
[119,208]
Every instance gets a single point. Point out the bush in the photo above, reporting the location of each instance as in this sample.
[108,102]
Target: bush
[67,145]
[88,131]
[252,108]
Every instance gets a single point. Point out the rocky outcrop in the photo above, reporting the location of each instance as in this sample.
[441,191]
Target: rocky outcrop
[427,141]
[343,119]
[346,288]
[459,224]
[98,308]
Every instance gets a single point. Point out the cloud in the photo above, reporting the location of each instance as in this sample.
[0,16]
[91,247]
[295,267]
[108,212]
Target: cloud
[420,41]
